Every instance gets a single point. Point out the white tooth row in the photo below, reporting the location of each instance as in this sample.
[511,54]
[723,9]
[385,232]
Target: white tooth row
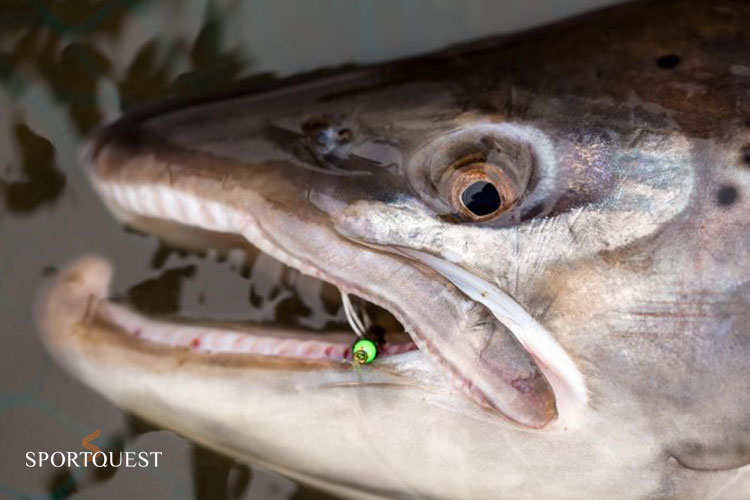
[215,340]
[167,203]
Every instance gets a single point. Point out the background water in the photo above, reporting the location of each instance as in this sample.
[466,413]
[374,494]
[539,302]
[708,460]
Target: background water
[66,66]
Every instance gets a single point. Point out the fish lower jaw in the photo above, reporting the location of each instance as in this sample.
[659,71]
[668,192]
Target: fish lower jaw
[257,340]
[78,298]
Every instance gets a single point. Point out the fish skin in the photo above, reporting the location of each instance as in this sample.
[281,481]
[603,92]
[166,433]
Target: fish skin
[634,260]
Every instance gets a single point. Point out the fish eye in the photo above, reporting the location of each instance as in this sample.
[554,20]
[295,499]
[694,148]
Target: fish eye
[479,191]
[495,173]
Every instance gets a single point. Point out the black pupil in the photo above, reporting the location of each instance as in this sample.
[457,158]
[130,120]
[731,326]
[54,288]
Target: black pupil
[481,198]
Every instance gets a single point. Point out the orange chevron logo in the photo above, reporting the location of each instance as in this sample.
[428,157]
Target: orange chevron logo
[86,442]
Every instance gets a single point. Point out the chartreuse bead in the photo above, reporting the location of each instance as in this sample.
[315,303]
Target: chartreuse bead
[364,351]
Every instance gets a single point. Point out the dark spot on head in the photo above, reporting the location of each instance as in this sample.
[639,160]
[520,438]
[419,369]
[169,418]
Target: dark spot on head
[745,155]
[726,195]
[668,61]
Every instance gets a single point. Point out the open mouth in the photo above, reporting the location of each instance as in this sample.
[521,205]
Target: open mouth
[284,338]
[160,210]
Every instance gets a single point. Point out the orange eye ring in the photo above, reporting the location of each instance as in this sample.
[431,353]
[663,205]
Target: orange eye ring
[479,191]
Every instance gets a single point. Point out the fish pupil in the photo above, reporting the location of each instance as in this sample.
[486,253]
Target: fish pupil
[481,198]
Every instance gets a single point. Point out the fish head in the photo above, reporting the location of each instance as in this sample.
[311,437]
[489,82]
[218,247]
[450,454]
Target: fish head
[569,264]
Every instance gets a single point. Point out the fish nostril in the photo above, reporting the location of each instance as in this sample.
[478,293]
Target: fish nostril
[668,61]
[324,137]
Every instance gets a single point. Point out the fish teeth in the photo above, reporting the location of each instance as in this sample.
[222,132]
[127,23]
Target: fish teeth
[219,340]
[168,203]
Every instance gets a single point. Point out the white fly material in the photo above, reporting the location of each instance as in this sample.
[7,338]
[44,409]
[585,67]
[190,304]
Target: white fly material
[561,372]
[351,315]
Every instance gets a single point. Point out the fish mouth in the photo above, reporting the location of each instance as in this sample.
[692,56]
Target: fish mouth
[332,346]
[85,286]
[159,210]
[151,185]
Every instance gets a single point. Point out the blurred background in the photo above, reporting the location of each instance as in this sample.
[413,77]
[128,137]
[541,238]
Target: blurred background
[65,67]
